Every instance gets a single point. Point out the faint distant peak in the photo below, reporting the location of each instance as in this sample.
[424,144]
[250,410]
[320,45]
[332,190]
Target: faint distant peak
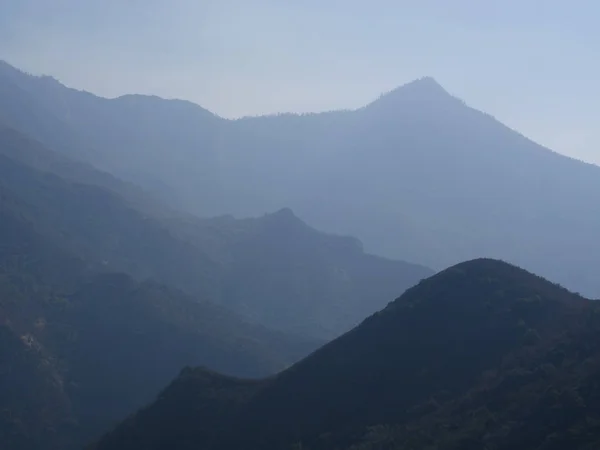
[426,82]
[422,90]
[283,214]
[423,86]
[284,218]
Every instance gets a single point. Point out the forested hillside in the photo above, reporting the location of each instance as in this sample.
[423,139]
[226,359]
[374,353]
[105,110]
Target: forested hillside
[481,355]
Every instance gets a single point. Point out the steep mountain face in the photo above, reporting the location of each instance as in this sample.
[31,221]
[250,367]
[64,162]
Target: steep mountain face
[416,174]
[81,350]
[483,354]
[275,270]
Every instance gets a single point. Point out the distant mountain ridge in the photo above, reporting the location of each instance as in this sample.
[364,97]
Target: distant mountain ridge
[275,270]
[416,174]
[284,274]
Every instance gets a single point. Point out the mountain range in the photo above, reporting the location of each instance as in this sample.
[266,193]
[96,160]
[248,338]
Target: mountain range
[274,270]
[106,293]
[141,238]
[415,175]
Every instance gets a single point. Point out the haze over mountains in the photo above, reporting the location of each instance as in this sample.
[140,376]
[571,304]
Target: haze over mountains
[141,238]
[106,293]
[82,346]
[274,270]
[415,175]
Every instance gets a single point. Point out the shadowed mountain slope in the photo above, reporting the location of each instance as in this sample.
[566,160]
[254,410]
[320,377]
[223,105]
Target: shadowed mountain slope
[481,354]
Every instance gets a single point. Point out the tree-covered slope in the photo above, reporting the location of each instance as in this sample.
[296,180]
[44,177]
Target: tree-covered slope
[481,355]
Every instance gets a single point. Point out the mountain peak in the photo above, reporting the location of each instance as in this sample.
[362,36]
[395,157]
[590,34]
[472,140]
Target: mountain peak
[284,219]
[422,90]
[284,213]
[426,82]
[422,86]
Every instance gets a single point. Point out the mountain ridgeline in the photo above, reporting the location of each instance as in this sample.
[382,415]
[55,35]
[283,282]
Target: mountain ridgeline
[124,261]
[415,175]
[481,355]
[280,272]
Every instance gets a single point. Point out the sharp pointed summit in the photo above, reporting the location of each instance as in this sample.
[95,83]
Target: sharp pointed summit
[425,90]
[425,84]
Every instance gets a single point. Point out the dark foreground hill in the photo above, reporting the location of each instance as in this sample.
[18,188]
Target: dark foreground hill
[481,355]
[416,174]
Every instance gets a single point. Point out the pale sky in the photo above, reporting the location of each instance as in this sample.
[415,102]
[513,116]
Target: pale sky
[535,65]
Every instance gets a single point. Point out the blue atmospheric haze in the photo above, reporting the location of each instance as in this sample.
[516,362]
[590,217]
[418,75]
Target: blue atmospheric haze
[534,65]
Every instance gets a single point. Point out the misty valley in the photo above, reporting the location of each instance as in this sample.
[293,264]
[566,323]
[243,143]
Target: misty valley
[408,275]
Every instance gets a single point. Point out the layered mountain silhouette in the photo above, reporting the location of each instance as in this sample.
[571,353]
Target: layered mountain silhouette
[416,174]
[111,283]
[481,355]
[274,270]
[105,294]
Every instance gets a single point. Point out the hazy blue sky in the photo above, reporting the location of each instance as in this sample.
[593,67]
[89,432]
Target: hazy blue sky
[535,65]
